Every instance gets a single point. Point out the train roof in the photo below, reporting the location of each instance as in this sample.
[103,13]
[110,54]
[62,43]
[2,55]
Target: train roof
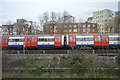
[86,34]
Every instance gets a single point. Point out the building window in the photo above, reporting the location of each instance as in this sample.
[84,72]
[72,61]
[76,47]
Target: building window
[89,25]
[75,26]
[70,26]
[65,30]
[93,30]
[88,30]
[84,30]
[70,30]
[65,26]
[94,25]
[75,30]
[84,25]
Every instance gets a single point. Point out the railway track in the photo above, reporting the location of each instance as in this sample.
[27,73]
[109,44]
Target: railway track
[34,51]
[91,51]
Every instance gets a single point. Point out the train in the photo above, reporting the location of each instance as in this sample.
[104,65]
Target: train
[60,41]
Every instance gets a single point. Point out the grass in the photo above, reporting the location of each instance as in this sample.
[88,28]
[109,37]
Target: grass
[12,61]
[57,75]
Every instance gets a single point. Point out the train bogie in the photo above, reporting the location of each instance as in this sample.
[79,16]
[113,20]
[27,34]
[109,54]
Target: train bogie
[61,40]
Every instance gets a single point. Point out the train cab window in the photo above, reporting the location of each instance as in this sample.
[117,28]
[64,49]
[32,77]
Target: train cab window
[59,38]
[28,39]
[33,39]
[71,38]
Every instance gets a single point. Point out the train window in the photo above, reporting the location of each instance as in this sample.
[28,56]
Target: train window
[21,40]
[41,39]
[71,38]
[28,39]
[118,38]
[113,38]
[88,39]
[58,38]
[16,40]
[103,38]
[98,38]
[45,40]
[33,39]
[79,39]
[50,39]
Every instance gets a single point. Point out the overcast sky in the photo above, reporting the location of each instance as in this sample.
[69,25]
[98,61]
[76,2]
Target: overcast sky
[29,10]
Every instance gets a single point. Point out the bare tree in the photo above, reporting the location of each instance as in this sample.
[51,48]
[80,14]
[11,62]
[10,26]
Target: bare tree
[53,16]
[45,17]
[65,13]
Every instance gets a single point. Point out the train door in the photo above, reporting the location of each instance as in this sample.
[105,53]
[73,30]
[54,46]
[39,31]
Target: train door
[4,42]
[34,40]
[31,41]
[27,41]
[105,40]
[101,40]
[58,40]
[72,40]
[97,40]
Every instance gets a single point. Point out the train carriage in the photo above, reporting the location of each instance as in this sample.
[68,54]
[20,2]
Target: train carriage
[16,42]
[57,40]
[60,41]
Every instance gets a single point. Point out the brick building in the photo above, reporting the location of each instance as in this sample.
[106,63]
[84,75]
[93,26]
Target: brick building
[70,28]
[87,28]
[10,29]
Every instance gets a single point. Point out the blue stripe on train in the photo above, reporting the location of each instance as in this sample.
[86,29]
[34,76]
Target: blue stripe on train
[85,45]
[114,44]
[15,45]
